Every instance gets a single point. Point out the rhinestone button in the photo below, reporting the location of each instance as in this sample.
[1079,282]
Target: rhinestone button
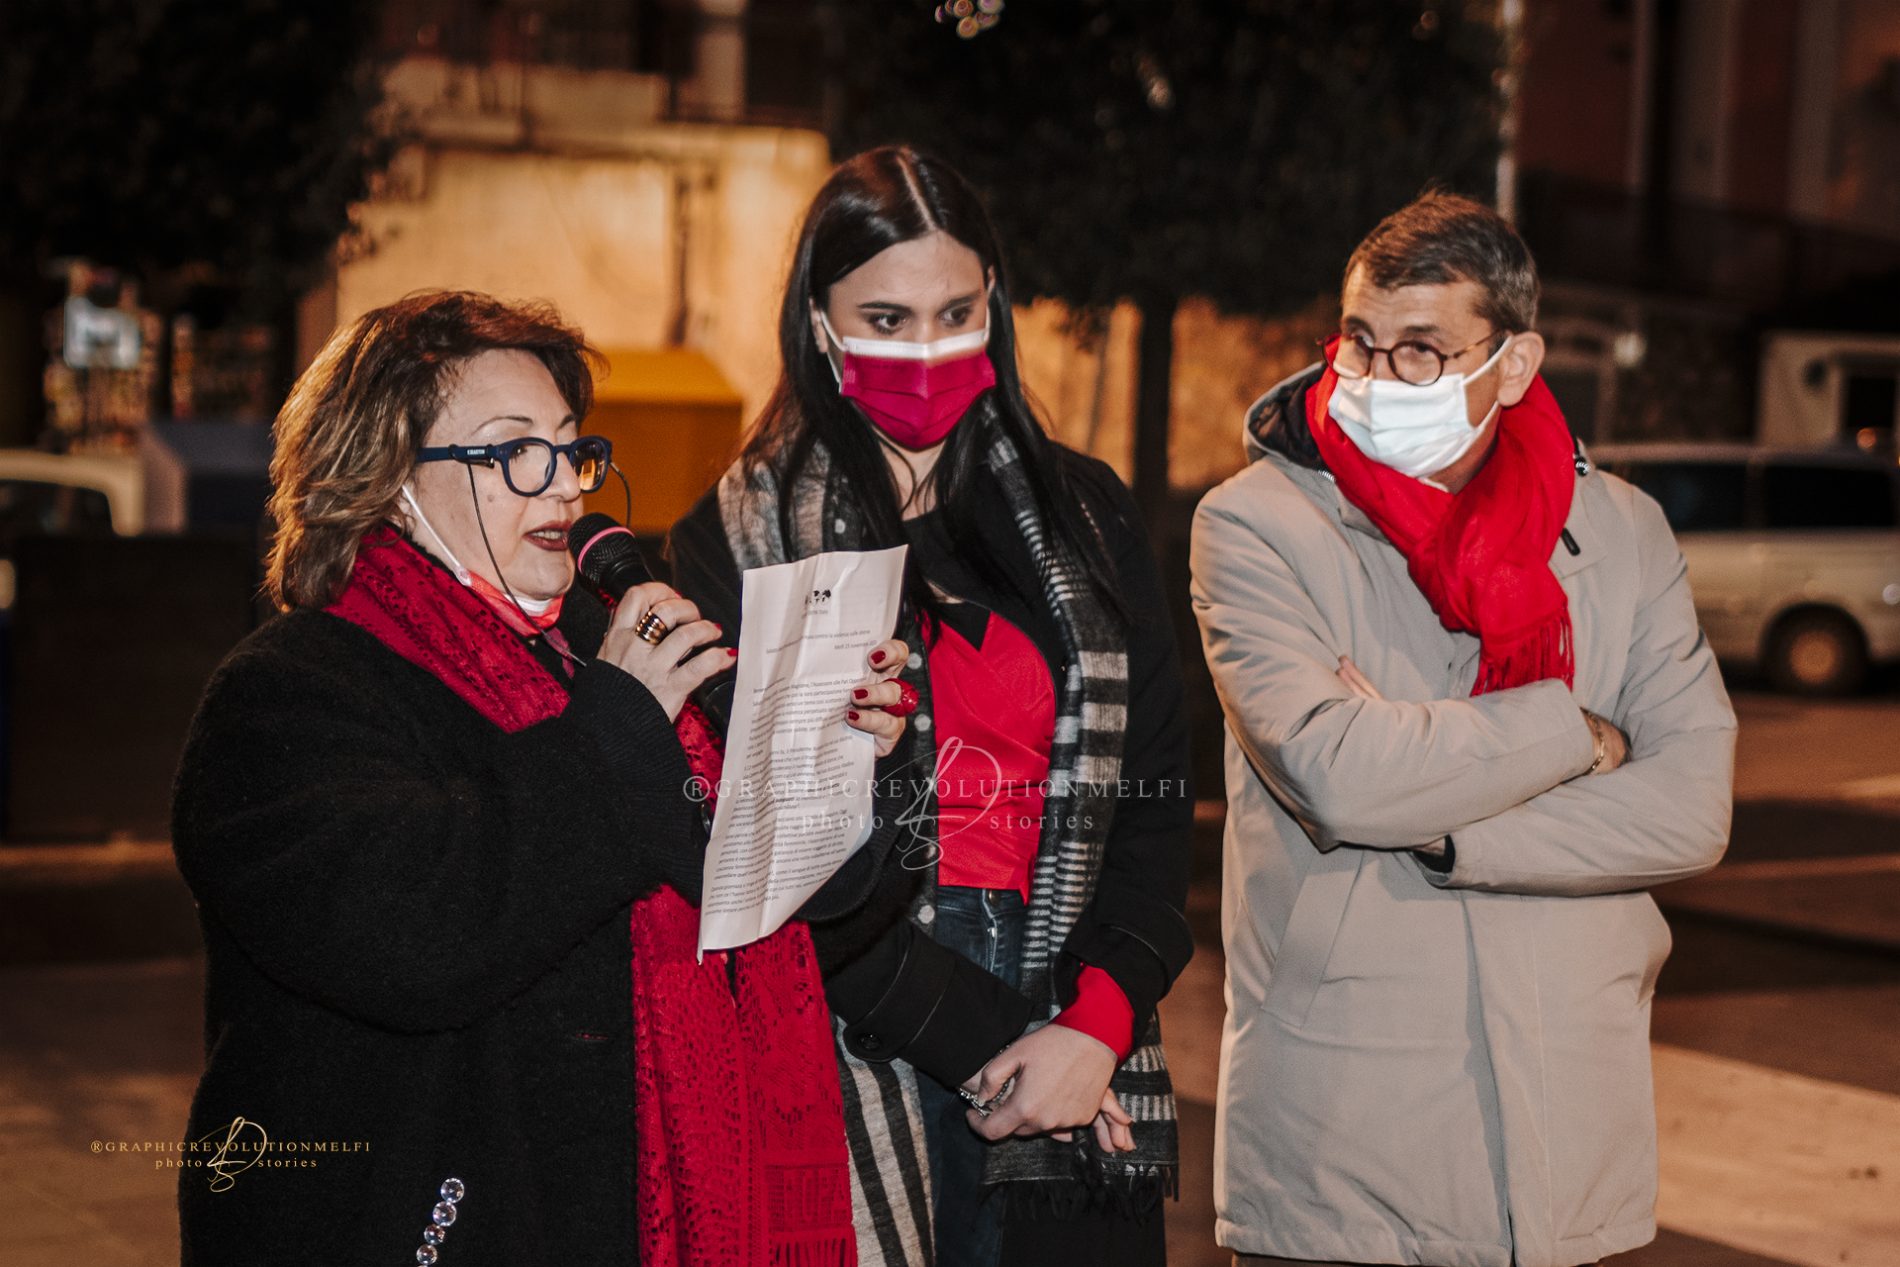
[839,526]
[916,660]
[926,915]
[451,1191]
[922,722]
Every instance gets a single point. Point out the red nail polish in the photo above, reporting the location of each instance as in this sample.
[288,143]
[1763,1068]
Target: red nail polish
[877,657]
[733,652]
[852,715]
[860,693]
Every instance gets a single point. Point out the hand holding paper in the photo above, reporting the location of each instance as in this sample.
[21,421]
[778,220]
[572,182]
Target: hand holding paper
[796,800]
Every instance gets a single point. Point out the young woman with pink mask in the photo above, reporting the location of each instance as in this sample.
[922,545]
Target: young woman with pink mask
[1005,1093]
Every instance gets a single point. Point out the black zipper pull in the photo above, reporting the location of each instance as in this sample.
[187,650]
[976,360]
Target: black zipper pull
[1570,543]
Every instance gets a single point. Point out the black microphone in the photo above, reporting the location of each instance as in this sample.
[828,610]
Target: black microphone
[608,557]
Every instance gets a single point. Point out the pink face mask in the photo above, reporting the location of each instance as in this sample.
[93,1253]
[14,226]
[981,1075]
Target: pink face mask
[914,392]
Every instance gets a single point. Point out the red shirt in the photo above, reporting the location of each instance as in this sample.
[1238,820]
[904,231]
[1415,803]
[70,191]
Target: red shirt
[994,710]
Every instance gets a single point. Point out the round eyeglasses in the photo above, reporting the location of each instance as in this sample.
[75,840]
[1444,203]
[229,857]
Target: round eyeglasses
[1412,361]
[527,464]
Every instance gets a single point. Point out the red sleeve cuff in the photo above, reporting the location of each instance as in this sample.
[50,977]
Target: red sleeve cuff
[1102,1012]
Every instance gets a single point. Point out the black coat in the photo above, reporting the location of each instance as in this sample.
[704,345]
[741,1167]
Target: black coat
[884,977]
[416,929]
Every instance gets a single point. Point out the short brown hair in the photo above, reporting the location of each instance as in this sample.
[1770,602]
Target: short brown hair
[1443,238]
[348,435]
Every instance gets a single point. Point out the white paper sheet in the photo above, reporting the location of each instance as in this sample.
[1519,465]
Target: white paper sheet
[796,798]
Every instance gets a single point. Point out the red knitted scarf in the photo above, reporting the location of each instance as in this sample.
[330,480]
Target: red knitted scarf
[738,1115]
[1481,557]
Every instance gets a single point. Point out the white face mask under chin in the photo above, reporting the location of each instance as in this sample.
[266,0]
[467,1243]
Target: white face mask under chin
[1417,431]
[448,555]
[531,606]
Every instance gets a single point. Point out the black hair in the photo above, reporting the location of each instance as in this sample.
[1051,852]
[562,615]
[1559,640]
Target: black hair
[873,201]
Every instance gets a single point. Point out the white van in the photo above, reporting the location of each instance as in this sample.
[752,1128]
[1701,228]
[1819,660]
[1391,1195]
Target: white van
[62,493]
[1793,554]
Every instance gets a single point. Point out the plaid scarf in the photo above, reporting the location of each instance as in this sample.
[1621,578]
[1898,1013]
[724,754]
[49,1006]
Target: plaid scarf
[883,1117]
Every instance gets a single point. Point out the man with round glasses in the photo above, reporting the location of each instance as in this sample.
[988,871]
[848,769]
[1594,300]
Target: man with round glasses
[1470,721]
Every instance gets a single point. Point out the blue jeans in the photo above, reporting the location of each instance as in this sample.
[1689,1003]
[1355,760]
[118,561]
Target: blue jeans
[986,927]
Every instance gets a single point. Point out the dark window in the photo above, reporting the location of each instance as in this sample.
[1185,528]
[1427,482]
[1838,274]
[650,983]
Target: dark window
[38,508]
[1797,496]
[785,62]
[1870,397]
[1576,393]
[585,34]
[1695,496]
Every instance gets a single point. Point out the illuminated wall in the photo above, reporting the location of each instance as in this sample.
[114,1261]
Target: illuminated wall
[545,183]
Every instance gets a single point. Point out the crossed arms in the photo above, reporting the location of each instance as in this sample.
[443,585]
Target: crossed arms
[1498,773]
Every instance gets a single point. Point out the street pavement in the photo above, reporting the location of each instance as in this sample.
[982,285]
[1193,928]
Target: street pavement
[1777,1026]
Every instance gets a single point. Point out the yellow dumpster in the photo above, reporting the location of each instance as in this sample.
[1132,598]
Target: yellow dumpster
[674,421]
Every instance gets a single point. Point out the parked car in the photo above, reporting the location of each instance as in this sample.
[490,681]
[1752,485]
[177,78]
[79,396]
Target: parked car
[63,494]
[1793,554]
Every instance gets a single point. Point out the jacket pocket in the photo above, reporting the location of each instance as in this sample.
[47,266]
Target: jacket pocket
[1299,964]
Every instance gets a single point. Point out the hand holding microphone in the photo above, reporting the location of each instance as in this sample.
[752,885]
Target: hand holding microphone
[654,631]
[663,666]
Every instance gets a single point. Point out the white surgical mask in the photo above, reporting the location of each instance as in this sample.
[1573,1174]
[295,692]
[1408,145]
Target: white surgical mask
[448,555]
[493,594]
[1416,431]
[533,606]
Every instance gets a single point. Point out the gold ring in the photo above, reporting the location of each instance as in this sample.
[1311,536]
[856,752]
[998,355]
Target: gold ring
[651,629]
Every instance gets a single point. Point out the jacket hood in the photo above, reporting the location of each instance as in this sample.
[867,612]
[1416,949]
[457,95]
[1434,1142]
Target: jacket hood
[1276,423]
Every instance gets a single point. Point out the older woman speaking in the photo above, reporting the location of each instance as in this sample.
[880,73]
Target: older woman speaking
[437,822]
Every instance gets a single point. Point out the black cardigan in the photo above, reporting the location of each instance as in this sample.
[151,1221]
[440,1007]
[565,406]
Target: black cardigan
[901,994]
[417,949]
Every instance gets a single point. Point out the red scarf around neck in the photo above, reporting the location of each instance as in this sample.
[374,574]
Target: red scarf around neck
[1481,556]
[738,1114]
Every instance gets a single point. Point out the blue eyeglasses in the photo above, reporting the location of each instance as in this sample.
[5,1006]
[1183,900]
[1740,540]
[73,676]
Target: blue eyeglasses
[528,464]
